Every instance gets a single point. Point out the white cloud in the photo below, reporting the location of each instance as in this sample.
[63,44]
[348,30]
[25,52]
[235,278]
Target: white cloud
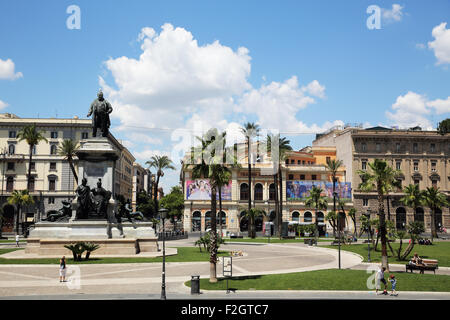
[3,105]
[413,109]
[7,70]
[393,15]
[441,43]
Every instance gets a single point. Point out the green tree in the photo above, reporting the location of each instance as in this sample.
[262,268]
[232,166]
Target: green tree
[333,166]
[379,178]
[145,204]
[160,163]
[68,150]
[20,198]
[352,215]
[444,127]
[252,215]
[32,136]
[174,202]
[434,199]
[317,201]
[331,218]
[413,197]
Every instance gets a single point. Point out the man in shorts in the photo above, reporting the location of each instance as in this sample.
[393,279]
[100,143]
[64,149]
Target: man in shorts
[380,279]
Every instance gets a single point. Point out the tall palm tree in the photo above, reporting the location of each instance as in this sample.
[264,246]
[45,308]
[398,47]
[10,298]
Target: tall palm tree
[317,201]
[160,163]
[380,179]
[251,215]
[250,131]
[20,198]
[434,199]
[68,150]
[333,166]
[32,136]
[413,197]
[283,148]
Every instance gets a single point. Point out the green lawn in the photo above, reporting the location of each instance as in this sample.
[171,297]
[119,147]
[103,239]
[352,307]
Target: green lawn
[331,279]
[185,254]
[273,240]
[439,251]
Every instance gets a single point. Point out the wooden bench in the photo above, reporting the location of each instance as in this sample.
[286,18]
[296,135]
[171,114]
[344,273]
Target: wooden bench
[428,264]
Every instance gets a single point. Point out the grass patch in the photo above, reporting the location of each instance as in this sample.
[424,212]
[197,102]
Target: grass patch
[331,279]
[439,250]
[185,254]
[274,240]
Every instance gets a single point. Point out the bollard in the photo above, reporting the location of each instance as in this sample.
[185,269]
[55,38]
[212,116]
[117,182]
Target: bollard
[195,284]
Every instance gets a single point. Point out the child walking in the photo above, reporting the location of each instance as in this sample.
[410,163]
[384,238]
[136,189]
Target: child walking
[393,282]
[62,269]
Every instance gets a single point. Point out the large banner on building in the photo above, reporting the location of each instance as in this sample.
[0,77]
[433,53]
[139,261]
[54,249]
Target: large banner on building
[299,190]
[200,189]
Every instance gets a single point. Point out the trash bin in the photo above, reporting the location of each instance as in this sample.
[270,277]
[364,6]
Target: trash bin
[195,284]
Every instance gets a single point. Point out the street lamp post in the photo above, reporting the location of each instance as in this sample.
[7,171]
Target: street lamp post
[368,234]
[163,216]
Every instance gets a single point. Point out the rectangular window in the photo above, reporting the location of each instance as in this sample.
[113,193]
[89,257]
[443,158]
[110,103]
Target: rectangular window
[416,166]
[363,146]
[416,182]
[398,165]
[51,185]
[9,184]
[378,147]
[33,166]
[51,200]
[302,177]
[84,135]
[433,147]
[415,148]
[313,177]
[53,166]
[291,177]
[433,166]
[292,161]
[363,165]
[365,202]
[12,134]
[11,166]
[53,149]
[299,162]
[54,135]
[31,188]
[434,183]
[397,147]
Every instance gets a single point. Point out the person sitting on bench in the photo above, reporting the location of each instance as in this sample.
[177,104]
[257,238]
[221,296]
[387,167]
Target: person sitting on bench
[416,260]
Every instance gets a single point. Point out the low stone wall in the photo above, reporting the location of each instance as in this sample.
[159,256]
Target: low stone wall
[47,247]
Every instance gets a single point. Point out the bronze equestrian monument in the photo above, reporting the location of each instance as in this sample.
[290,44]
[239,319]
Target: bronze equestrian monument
[95,217]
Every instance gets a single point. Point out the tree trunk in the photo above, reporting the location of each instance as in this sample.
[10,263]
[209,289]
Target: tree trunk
[220,211]
[433,224]
[155,197]
[213,238]
[249,175]
[408,250]
[75,176]
[29,167]
[277,207]
[384,258]
[280,216]
[87,255]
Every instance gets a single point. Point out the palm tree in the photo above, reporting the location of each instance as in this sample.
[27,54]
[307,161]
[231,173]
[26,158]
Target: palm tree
[251,215]
[68,150]
[250,130]
[20,198]
[32,137]
[317,201]
[434,199]
[333,166]
[283,148]
[380,179]
[413,197]
[160,163]
[223,176]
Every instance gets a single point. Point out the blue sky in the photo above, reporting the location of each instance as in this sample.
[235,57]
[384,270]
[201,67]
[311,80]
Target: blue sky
[302,66]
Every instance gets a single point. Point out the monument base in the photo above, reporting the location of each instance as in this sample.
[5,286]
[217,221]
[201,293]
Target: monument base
[49,238]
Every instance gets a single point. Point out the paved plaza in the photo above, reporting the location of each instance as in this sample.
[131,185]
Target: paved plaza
[143,280]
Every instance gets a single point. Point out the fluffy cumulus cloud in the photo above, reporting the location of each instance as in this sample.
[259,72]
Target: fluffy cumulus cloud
[441,43]
[413,109]
[394,14]
[7,70]
[3,105]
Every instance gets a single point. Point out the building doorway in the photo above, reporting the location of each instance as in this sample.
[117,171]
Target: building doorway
[400,218]
[196,221]
[8,218]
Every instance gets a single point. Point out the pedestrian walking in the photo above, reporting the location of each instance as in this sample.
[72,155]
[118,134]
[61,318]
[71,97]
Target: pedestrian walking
[393,282]
[380,279]
[17,240]
[62,269]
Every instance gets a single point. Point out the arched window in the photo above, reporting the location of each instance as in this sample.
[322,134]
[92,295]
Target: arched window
[11,149]
[224,219]
[400,218]
[272,191]
[244,191]
[419,215]
[243,224]
[438,219]
[9,184]
[196,221]
[320,217]
[258,191]
[208,220]
[307,217]
[296,216]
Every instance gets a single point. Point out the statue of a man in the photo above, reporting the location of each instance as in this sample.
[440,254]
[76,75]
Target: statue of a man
[100,110]
[101,198]
[84,200]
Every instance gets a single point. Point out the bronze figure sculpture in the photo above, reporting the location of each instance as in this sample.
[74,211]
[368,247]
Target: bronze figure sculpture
[100,110]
